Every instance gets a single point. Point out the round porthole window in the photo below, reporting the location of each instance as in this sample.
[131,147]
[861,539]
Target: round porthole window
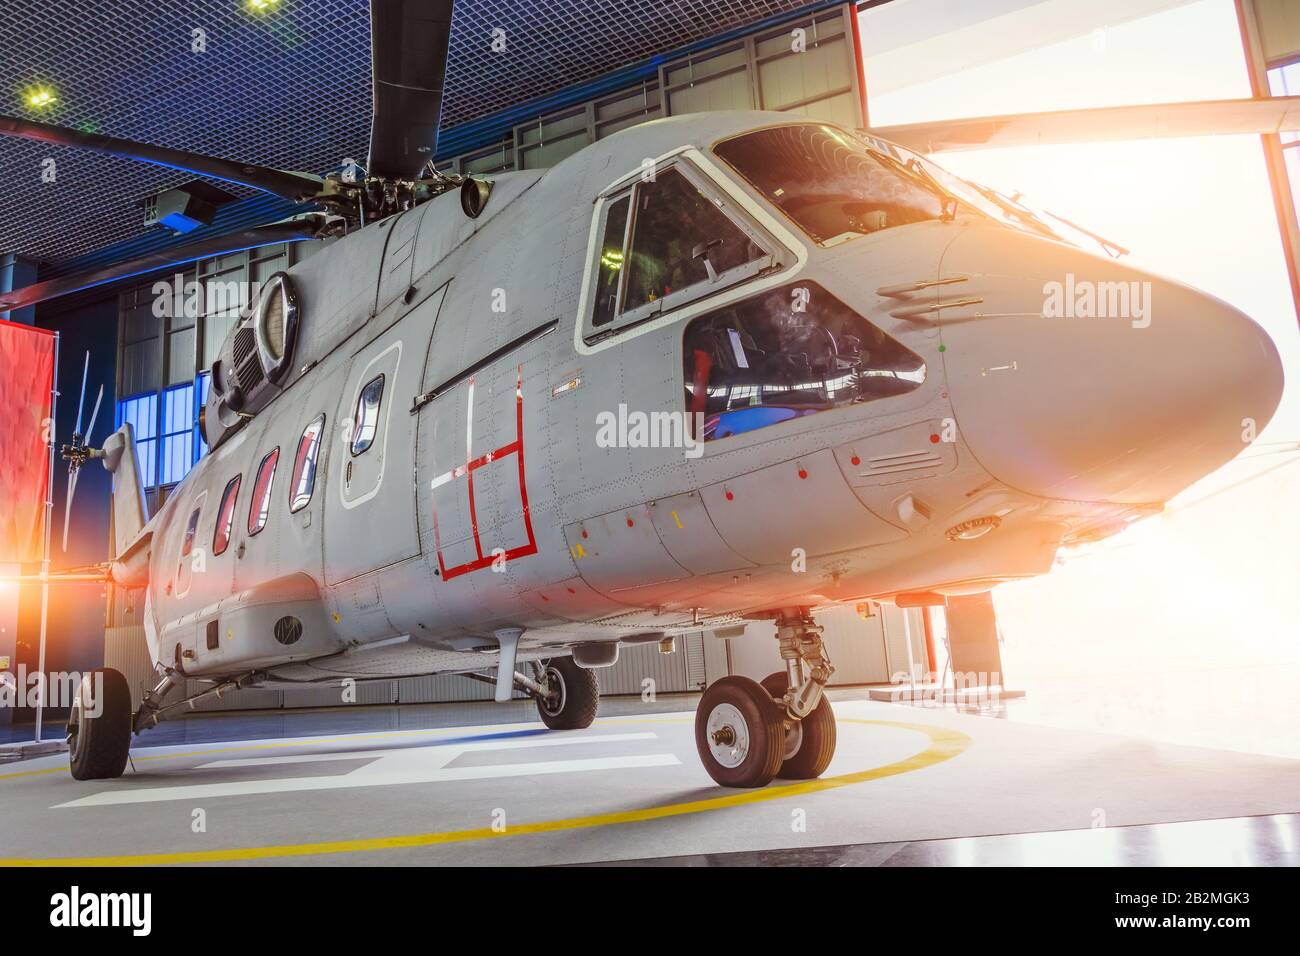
[288,629]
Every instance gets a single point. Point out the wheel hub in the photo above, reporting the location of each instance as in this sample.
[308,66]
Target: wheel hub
[728,735]
[793,738]
[553,702]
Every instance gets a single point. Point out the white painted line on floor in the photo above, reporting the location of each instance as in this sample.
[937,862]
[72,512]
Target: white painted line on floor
[359,778]
[451,750]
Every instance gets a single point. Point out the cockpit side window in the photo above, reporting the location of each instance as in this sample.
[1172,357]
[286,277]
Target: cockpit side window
[679,240]
[610,267]
[794,351]
[828,182]
[668,240]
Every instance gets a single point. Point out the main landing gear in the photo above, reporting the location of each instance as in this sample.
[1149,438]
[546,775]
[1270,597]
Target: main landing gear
[99,727]
[747,733]
[568,696]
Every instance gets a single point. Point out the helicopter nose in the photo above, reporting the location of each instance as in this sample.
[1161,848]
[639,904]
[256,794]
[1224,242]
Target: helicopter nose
[1077,377]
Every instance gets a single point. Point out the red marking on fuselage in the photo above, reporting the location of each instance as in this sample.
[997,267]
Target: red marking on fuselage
[515,447]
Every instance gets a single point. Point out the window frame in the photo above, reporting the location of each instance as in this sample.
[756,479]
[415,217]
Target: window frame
[776,257]
[272,456]
[382,379]
[294,477]
[180,434]
[868,142]
[231,493]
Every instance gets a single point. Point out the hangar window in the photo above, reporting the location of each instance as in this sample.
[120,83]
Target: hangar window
[259,506]
[667,241]
[303,480]
[829,183]
[366,420]
[225,517]
[790,352]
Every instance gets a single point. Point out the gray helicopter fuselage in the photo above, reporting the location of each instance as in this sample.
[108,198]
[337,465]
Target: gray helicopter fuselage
[488,494]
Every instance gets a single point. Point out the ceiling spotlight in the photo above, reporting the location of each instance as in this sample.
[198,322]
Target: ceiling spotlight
[261,6]
[39,97]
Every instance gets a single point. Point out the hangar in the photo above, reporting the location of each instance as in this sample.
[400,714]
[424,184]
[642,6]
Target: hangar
[1026,570]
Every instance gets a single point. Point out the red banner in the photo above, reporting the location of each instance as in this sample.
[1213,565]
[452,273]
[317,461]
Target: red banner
[26,381]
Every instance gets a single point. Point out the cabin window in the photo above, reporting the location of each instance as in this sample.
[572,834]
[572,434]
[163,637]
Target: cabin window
[829,183]
[303,480]
[366,420]
[225,517]
[259,507]
[790,352]
[187,545]
[667,241]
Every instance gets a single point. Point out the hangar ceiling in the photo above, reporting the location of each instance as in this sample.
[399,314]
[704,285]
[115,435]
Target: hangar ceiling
[289,88]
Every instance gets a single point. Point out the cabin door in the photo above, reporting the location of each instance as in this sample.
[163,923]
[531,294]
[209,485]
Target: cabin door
[370,510]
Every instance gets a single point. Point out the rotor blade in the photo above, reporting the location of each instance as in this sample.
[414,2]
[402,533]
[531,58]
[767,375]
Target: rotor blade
[292,231]
[67,508]
[81,402]
[408,48]
[1276,114]
[90,429]
[295,186]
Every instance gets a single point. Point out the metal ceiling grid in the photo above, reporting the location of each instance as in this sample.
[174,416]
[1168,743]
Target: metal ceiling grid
[290,88]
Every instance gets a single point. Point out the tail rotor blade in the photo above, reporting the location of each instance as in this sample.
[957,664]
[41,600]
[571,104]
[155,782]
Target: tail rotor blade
[81,402]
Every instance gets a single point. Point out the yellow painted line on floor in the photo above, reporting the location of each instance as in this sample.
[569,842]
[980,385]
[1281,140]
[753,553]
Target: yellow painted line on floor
[347,739]
[944,745]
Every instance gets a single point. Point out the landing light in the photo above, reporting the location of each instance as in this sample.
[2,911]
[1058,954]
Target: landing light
[974,528]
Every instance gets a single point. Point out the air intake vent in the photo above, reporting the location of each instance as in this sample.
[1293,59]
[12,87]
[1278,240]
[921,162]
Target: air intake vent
[901,462]
[248,368]
[244,345]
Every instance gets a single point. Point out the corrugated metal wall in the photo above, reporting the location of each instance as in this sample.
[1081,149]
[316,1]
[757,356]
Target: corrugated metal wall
[683,670]
[869,650]
[864,651]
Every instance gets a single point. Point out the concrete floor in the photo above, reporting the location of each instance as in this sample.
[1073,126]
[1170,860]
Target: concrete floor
[486,784]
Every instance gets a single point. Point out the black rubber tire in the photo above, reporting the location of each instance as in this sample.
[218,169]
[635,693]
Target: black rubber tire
[817,744]
[581,696]
[99,747]
[764,726]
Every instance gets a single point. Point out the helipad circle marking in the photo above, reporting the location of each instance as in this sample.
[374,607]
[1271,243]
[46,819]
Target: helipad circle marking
[944,745]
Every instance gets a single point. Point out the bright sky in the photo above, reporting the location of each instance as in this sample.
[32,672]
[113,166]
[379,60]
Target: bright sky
[1212,585]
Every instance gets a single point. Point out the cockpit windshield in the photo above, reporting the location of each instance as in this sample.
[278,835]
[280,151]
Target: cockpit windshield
[830,183]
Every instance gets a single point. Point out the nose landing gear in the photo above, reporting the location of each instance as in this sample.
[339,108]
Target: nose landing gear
[748,733]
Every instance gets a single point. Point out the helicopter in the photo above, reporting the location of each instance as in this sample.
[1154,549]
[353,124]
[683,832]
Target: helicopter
[710,370]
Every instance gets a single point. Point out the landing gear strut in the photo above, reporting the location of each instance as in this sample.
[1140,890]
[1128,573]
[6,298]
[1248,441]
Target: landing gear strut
[748,733]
